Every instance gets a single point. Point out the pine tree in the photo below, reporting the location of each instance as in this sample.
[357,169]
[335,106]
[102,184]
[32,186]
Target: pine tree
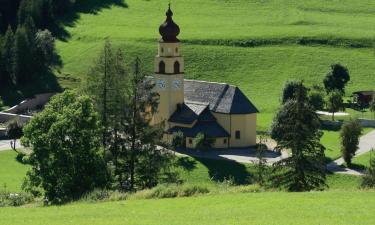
[296,127]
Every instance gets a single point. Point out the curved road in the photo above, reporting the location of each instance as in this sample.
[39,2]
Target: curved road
[366,144]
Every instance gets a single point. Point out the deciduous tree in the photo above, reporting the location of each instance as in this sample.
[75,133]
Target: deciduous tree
[65,138]
[336,79]
[334,102]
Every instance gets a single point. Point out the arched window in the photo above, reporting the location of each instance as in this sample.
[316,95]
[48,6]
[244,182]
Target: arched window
[162,50]
[176,50]
[161,67]
[176,67]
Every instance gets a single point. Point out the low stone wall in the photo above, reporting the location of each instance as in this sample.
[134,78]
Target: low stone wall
[38,101]
[5,117]
[336,125]
[367,123]
[2,132]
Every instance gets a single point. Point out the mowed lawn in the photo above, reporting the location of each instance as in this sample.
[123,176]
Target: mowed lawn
[256,208]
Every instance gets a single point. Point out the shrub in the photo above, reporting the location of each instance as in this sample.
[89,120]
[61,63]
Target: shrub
[14,199]
[202,142]
[368,180]
[23,158]
[172,191]
[177,140]
[246,189]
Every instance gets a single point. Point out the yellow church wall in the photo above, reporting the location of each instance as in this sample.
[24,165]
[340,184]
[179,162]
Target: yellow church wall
[170,96]
[245,123]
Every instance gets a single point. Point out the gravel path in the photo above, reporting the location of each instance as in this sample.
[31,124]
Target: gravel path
[366,143]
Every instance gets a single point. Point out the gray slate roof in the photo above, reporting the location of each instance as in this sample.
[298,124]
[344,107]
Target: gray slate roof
[188,112]
[221,98]
[211,129]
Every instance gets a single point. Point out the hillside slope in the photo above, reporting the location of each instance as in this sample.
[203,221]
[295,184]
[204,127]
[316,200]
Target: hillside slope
[256,45]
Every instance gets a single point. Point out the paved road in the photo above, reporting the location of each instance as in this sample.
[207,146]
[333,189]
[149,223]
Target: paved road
[366,143]
[247,155]
[5,144]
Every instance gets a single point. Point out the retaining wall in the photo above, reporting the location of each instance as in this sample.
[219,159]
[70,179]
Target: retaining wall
[38,101]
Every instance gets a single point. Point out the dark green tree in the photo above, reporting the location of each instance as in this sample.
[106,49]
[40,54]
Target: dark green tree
[7,55]
[142,161]
[290,88]
[23,67]
[316,99]
[368,180]
[334,102]
[45,51]
[372,105]
[336,79]
[350,134]
[296,128]
[66,159]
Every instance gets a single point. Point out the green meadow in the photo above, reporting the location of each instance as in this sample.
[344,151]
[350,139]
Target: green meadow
[256,45]
[254,208]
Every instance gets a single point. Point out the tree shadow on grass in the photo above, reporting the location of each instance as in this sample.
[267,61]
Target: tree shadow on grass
[186,163]
[330,125]
[12,95]
[82,6]
[220,170]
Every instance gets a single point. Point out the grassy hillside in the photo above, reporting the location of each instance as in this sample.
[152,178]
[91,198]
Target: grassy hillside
[256,45]
[258,208]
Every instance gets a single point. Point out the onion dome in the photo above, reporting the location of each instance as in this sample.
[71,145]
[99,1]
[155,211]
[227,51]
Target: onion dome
[169,30]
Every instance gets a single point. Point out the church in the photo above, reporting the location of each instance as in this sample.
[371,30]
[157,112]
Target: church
[219,110]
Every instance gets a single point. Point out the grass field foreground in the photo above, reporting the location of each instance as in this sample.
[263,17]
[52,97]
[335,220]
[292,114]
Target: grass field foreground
[258,208]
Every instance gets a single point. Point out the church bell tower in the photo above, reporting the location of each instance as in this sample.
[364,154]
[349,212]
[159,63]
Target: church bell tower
[169,70]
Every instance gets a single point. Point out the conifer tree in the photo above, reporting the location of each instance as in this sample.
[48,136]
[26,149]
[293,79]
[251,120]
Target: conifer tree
[350,134]
[7,55]
[296,128]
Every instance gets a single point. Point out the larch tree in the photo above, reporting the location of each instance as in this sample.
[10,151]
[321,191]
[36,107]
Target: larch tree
[142,160]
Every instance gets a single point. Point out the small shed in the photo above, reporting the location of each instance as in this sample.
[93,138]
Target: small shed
[363,97]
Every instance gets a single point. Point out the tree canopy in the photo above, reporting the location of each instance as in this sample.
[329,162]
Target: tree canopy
[336,79]
[66,160]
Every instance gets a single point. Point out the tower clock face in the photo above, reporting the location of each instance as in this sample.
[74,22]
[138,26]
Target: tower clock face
[162,84]
[177,84]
